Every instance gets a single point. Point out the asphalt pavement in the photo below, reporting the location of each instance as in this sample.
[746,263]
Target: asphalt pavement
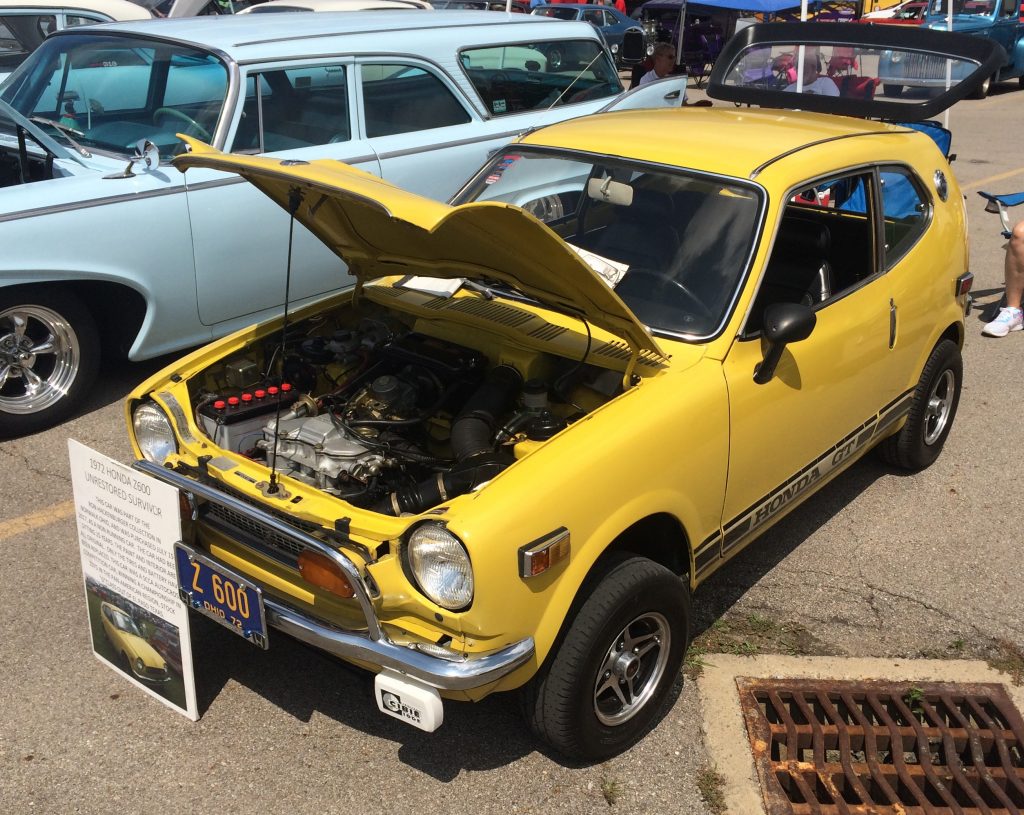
[878,564]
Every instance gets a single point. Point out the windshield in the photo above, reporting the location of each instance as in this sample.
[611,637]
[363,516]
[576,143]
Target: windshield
[555,11]
[675,245]
[110,91]
[123,622]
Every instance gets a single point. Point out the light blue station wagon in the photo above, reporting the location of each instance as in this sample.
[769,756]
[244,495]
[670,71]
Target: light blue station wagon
[106,249]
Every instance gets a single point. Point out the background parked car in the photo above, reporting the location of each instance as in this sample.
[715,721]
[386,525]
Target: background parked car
[23,25]
[112,251]
[611,22]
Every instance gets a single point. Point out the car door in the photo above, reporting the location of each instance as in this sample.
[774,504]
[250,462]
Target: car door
[298,112]
[820,407]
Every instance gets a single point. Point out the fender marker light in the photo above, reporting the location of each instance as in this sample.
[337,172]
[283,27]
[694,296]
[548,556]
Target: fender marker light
[321,571]
[537,557]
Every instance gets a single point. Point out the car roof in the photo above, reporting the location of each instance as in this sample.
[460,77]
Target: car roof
[243,36]
[727,141]
[115,9]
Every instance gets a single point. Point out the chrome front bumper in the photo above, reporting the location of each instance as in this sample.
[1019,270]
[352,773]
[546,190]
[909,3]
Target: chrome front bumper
[455,672]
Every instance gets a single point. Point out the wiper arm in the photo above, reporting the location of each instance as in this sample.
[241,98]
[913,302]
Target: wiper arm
[493,288]
[65,131]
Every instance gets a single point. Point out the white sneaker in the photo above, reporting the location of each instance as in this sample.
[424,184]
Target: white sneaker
[1009,319]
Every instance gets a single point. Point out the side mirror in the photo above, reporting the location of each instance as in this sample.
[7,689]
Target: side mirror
[783,323]
[147,157]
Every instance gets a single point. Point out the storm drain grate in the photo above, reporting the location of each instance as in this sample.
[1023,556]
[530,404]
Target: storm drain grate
[859,747]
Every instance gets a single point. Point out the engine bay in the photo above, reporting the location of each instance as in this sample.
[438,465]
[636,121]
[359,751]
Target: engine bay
[375,411]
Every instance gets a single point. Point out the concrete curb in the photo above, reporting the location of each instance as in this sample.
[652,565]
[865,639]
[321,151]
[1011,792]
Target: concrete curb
[726,735]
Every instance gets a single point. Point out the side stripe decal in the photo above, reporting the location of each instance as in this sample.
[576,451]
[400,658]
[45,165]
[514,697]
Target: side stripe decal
[761,511]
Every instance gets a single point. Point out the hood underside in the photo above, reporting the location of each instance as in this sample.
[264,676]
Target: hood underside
[380,230]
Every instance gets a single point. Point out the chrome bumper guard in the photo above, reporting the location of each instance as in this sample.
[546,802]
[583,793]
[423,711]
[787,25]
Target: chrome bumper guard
[457,672]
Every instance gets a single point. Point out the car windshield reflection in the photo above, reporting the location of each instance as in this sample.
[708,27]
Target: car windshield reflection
[673,245]
[110,92]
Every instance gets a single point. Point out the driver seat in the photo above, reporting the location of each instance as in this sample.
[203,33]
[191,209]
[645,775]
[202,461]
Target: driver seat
[798,269]
[642,233]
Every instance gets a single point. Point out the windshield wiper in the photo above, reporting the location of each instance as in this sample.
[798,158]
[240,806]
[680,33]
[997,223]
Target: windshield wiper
[65,131]
[496,288]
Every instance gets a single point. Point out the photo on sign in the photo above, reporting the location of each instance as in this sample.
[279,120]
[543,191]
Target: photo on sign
[135,642]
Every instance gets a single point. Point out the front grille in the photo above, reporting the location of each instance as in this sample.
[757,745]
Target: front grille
[924,66]
[864,747]
[254,533]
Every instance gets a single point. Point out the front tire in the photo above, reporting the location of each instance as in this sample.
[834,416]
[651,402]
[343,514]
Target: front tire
[983,89]
[610,678]
[936,397]
[49,357]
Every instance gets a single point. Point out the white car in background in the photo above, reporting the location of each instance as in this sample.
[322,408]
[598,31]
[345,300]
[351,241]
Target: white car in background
[23,25]
[275,6]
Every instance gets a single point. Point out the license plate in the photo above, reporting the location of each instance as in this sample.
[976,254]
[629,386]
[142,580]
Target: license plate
[221,595]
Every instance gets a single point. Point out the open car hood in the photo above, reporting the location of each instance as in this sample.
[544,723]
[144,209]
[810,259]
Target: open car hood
[758,67]
[379,230]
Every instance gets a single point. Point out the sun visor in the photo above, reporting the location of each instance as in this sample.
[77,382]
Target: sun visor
[890,73]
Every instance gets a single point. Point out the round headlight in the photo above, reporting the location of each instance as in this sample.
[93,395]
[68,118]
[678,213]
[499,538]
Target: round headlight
[153,433]
[441,566]
[140,666]
[615,48]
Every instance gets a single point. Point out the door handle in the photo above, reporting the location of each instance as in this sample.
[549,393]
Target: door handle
[892,324]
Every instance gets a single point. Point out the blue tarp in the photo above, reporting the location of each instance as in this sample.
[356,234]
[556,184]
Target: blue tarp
[753,6]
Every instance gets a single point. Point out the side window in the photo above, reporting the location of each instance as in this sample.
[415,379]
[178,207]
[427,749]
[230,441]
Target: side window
[293,108]
[538,76]
[905,211]
[824,245]
[401,98]
[74,20]
[594,17]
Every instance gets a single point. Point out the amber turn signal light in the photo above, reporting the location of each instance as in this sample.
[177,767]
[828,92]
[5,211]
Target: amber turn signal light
[321,571]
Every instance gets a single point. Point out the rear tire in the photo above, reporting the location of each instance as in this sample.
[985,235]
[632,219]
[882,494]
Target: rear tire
[614,670]
[49,358]
[932,411]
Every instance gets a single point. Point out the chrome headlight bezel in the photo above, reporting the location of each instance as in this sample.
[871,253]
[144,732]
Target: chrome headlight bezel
[154,433]
[440,566]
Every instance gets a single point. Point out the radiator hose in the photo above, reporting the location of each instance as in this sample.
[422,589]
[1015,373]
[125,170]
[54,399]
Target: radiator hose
[472,434]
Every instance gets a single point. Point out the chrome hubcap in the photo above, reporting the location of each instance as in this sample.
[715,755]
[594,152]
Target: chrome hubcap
[632,668]
[940,403]
[39,359]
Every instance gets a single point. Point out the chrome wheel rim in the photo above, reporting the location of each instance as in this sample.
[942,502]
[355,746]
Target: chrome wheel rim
[39,359]
[940,405]
[632,669]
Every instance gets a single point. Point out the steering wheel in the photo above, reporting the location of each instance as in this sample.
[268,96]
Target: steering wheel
[174,113]
[681,296]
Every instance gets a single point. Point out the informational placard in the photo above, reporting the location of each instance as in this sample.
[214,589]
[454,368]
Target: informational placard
[128,524]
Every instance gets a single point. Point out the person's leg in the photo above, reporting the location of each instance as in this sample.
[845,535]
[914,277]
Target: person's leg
[1015,267]
[1011,318]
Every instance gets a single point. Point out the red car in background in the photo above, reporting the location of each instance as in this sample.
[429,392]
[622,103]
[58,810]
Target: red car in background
[912,13]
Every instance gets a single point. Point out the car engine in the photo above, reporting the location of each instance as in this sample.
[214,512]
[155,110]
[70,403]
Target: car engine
[406,422]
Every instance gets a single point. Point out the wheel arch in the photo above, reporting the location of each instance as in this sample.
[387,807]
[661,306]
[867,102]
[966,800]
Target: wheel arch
[117,309]
[660,537]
